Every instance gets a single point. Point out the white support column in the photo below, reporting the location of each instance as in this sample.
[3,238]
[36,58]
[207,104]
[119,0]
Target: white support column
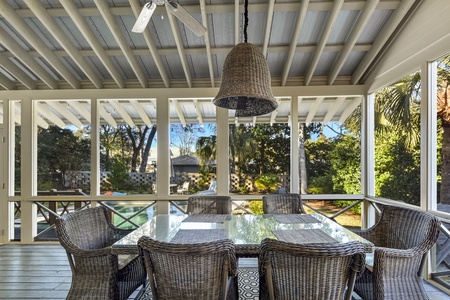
[95,148]
[28,173]
[5,213]
[428,144]
[8,170]
[163,150]
[295,163]
[368,157]
[428,139]
[223,141]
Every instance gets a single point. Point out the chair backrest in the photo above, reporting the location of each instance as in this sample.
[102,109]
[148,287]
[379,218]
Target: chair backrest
[188,271]
[283,204]
[210,204]
[312,272]
[89,228]
[403,228]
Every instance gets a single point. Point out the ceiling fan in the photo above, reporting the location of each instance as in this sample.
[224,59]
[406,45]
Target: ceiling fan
[175,9]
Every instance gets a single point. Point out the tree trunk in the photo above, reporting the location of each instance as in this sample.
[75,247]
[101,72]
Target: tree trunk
[445,168]
[302,160]
[148,145]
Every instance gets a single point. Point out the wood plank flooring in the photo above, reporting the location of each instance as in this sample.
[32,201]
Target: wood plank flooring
[43,272]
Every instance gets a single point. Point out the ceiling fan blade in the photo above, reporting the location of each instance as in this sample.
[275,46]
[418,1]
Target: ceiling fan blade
[144,17]
[186,18]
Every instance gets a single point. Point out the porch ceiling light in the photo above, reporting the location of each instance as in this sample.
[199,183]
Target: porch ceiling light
[246,81]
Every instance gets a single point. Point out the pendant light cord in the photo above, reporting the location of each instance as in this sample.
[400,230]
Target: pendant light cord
[245,20]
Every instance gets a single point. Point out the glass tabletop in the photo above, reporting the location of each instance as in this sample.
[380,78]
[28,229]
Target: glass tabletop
[243,230]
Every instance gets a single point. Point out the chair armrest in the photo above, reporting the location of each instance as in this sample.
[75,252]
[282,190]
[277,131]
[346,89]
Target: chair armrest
[390,261]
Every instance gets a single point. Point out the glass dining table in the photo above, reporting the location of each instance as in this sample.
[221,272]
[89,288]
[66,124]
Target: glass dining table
[246,231]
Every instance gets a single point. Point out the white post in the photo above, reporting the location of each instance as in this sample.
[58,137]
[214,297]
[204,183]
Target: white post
[163,150]
[223,166]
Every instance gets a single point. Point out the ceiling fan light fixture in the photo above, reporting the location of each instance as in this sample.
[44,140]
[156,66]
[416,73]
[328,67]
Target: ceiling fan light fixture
[186,18]
[144,17]
[246,83]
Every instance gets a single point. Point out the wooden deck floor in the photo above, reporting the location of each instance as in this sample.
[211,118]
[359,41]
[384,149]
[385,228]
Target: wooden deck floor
[42,272]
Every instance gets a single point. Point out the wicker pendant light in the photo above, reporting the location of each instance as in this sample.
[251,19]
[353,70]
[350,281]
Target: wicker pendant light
[246,82]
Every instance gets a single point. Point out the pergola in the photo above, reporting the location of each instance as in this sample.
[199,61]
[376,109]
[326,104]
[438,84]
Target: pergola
[76,63]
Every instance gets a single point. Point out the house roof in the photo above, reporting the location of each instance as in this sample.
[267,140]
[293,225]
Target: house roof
[185,160]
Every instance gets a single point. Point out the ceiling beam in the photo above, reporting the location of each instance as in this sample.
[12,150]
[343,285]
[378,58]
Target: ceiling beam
[76,106]
[236,21]
[49,115]
[135,6]
[138,107]
[269,21]
[109,18]
[179,112]
[361,23]
[7,41]
[122,112]
[180,47]
[207,42]
[349,109]
[224,8]
[6,82]
[106,115]
[97,48]
[312,112]
[323,40]
[298,28]
[17,73]
[28,34]
[199,111]
[381,39]
[333,109]
[56,105]
[53,27]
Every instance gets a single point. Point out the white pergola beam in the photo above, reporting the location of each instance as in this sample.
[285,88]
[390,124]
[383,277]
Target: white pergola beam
[106,115]
[27,33]
[80,109]
[56,105]
[333,109]
[80,22]
[109,18]
[361,23]
[180,47]
[137,105]
[349,109]
[268,26]
[179,111]
[121,111]
[16,72]
[298,28]
[49,115]
[312,112]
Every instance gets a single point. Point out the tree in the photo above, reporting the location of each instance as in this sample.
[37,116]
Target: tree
[185,137]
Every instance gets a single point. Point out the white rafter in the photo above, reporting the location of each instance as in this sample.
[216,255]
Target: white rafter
[51,25]
[27,33]
[6,82]
[106,115]
[180,47]
[323,39]
[199,111]
[135,6]
[349,109]
[49,115]
[80,22]
[268,26]
[20,75]
[26,59]
[80,109]
[293,45]
[333,109]
[207,43]
[121,111]
[109,18]
[56,105]
[363,18]
[138,107]
[179,111]
[312,112]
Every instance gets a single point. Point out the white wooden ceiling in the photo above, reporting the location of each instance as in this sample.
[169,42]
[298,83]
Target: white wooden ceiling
[88,44]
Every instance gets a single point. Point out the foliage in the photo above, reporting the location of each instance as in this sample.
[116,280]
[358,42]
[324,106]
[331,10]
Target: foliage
[344,203]
[118,178]
[184,137]
[256,207]
[267,182]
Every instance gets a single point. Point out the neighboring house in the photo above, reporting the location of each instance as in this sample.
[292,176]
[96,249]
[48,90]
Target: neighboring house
[186,164]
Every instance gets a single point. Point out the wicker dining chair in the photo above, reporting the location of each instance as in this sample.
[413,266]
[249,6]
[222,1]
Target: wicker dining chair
[290,271]
[203,271]
[283,204]
[87,236]
[402,238]
[209,204]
